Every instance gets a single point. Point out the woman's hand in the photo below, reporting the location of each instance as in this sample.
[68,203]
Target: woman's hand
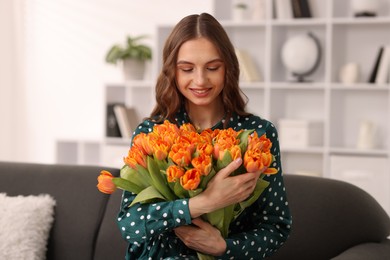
[202,237]
[224,190]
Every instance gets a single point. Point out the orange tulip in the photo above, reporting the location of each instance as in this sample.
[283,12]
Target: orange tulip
[207,135]
[181,152]
[206,148]
[187,127]
[165,127]
[135,156]
[225,140]
[262,142]
[174,173]
[235,152]
[191,179]
[255,160]
[142,142]
[105,183]
[160,149]
[202,163]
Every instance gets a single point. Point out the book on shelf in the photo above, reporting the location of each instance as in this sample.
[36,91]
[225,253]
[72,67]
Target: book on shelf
[305,8]
[382,76]
[112,127]
[248,69]
[301,8]
[127,120]
[374,70]
[283,9]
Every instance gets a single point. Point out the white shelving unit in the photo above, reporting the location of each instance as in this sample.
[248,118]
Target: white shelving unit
[341,108]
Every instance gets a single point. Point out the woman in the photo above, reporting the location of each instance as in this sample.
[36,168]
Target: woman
[199,84]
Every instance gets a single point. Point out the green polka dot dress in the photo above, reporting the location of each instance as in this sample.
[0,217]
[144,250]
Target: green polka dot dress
[258,232]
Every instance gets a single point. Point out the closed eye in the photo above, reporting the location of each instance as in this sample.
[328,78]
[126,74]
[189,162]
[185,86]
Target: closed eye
[213,68]
[186,69]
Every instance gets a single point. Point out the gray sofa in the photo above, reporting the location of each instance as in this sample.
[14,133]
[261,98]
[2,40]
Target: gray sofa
[331,219]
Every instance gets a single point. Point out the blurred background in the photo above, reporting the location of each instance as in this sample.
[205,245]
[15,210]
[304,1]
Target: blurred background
[319,70]
[52,67]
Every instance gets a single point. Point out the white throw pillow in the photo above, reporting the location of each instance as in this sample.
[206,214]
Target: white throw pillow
[25,223]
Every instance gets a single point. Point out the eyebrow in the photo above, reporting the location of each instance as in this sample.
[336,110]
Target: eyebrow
[187,62]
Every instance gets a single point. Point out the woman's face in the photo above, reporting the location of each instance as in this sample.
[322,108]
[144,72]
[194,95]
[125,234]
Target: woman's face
[200,72]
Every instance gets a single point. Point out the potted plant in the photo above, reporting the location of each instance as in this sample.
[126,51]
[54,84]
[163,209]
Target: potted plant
[240,11]
[133,56]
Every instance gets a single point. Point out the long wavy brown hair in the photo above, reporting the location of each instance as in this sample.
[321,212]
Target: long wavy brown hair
[169,100]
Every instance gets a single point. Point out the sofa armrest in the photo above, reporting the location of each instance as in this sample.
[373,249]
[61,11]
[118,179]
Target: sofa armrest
[372,251]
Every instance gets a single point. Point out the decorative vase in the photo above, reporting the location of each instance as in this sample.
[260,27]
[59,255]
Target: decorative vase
[258,13]
[133,69]
[240,12]
[365,7]
[366,135]
[349,73]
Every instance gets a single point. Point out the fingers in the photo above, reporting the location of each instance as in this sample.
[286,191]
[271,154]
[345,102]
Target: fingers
[200,223]
[234,165]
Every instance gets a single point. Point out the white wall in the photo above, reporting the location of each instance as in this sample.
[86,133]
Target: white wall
[65,41]
[7,81]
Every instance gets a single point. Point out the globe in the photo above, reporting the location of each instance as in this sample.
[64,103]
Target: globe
[301,55]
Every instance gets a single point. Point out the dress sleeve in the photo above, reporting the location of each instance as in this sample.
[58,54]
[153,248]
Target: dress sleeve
[140,222]
[269,218]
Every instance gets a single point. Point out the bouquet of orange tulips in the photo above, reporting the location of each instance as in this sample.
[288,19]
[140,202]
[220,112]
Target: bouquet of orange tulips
[171,163]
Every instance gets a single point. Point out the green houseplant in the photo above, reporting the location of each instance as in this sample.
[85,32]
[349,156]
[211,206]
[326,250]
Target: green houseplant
[133,54]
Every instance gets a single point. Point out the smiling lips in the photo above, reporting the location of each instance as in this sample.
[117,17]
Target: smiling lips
[200,92]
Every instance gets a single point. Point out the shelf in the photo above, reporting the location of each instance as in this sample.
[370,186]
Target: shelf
[360,87]
[299,22]
[359,152]
[309,150]
[251,85]
[361,20]
[243,24]
[298,85]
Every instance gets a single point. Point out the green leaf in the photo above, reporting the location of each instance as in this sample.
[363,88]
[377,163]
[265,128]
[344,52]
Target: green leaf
[261,185]
[227,158]
[162,164]
[228,218]
[133,176]
[243,136]
[126,185]
[202,256]
[147,195]
[180,191]
[216,218]
[144,173]
[159,180]
[193,193]
[205,179]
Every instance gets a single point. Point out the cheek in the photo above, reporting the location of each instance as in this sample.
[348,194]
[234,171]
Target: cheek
[182,81]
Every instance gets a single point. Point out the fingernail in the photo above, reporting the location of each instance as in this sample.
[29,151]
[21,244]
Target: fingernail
[238,160]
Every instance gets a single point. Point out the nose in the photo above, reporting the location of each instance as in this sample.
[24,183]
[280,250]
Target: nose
[200,77]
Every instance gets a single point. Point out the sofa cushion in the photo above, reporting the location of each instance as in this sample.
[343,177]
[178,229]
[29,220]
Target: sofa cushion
[330,216]
[371,251]
[79,205]
[25,222]
[110,244]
